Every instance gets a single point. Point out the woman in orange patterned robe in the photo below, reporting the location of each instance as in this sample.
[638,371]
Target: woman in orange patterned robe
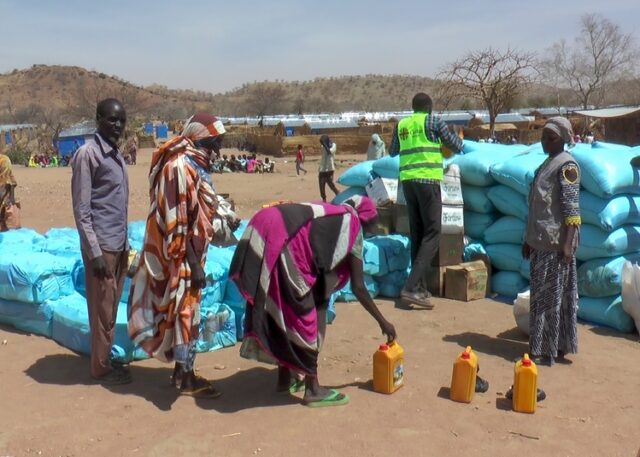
[164,302]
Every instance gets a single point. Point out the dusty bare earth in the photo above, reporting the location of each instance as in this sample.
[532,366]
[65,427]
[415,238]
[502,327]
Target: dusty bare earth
[49,406]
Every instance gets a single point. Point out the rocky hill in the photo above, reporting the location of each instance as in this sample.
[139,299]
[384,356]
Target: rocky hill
[68,93]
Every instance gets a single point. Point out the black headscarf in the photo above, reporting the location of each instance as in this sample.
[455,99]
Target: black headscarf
[326,142]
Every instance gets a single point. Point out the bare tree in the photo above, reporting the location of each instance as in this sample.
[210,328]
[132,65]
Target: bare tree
[490,76]
[599,55]
[266,98]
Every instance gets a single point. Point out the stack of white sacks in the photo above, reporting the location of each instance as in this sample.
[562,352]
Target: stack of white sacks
[495,183]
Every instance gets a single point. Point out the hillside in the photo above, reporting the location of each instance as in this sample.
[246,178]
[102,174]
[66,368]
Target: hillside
[65,94]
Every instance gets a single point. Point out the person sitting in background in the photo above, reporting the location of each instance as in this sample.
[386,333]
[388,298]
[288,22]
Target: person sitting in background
[258,166]
[376,148]
[268,165]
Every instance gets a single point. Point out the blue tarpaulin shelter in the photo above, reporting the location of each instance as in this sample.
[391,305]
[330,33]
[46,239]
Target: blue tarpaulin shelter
[72,138]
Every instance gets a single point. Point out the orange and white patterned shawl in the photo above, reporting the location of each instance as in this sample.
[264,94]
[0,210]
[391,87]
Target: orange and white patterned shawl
[164,311]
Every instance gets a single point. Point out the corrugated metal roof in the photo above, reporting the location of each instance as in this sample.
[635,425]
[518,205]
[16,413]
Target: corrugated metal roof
[609,112]
[82,129]
[332,124]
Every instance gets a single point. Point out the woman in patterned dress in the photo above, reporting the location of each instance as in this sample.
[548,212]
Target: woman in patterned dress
[553,232]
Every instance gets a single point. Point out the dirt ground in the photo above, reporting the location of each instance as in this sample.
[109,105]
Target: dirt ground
[50,407]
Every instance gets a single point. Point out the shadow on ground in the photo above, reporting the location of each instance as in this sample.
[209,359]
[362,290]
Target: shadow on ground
[508,345]
[253,388]
[604,331]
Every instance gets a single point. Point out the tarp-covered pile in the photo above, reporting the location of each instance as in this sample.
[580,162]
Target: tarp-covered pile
[496,181]
[42,291]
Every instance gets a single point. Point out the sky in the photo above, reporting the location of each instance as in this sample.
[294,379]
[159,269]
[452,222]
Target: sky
[217,46]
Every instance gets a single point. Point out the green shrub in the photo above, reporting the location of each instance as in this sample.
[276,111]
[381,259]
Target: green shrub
[18,155]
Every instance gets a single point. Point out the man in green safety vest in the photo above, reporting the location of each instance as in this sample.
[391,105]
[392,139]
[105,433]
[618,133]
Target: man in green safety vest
[418,139]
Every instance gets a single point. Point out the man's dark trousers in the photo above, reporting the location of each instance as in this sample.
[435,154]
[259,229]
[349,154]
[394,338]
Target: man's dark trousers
[424,206]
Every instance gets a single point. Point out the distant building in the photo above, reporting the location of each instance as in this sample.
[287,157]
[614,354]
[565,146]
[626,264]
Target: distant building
[70,139]
[621,124]
[10,133]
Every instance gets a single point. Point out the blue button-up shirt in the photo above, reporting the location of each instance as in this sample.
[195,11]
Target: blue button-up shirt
[100,194]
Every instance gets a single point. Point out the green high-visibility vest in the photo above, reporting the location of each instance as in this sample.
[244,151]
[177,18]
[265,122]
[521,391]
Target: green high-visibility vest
[420,158]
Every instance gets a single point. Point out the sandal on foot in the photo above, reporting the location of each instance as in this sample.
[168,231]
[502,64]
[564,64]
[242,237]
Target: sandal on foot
[541,395]
[297,385]
[201,392]
[335,398]
[113,378]
[481,385]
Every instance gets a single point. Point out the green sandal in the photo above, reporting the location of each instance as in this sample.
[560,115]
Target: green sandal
[335,398]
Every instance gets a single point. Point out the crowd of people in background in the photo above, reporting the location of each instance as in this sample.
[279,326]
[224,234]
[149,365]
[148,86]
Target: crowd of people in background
[242,164]
[48,160]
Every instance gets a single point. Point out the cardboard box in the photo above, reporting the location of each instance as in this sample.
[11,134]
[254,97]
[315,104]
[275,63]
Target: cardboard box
[400,200]
[436,281]
[452,220]
[401,220]
[451,186]
[384,225]
[450,250]
[467,281]
[383,191]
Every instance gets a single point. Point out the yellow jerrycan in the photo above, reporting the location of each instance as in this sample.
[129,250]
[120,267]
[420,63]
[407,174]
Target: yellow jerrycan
[388,368]
[525,386]
[463,378]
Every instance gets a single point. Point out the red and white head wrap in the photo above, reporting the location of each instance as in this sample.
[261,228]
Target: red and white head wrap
[202,125]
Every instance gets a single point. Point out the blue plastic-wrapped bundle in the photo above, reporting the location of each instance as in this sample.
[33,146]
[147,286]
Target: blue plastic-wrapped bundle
[605,169]
[62,242]
[509,202]
[234,300]
[517,172]
[136,234]
[596,243]
[395,249]
[387,167]
[70,328]
[505,256]
[475,164]
[507,229]
[603,277]
[374,259]
[605,311]
[346,295]
[475,224]
[348,193]
[28,317]
[358,175]
[609,214]
[20,240]
[475,199]
[217,327]
[34,277]
[391,284]
[508,283]
[472,249]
